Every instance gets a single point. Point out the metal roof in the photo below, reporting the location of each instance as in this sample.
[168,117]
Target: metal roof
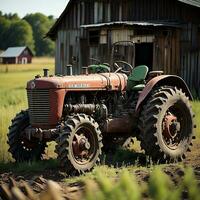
[130,23]
[191,2]
[12,52]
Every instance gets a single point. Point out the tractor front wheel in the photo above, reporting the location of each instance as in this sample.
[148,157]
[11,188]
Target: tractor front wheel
[166,125]
[21,148]
[79,145]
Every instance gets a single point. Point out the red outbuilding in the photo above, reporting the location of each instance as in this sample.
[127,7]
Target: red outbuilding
[16,55]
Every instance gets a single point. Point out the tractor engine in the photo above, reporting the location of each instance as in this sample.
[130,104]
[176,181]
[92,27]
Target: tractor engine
[102,96]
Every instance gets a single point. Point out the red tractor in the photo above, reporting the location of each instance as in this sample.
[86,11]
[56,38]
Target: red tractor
[83,113]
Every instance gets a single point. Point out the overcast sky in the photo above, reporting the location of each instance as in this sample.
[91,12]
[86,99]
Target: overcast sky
[22,7]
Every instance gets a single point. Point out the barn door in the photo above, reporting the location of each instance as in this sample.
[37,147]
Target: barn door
[144,55]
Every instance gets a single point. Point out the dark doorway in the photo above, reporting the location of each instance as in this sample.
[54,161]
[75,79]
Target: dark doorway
[144,55]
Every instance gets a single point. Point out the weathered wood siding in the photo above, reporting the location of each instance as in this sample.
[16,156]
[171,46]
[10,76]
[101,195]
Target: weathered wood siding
[176,50]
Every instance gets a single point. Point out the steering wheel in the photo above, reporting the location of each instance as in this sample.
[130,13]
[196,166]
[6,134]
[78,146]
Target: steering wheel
[96,60]
[122,66]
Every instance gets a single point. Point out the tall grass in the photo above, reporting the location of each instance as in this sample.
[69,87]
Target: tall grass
[196,110]
[13,94]
[159,186]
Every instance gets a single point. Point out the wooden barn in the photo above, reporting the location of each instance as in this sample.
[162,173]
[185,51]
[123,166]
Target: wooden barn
[166,35]
[16,55]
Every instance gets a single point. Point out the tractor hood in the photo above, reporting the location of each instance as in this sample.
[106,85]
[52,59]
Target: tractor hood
[103,81]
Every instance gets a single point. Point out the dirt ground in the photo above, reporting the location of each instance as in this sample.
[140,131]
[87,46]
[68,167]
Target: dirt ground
[38,181]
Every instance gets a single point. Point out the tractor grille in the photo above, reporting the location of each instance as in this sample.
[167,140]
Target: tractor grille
[39,108]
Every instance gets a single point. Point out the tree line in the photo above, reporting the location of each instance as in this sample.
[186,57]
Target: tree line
[28,31]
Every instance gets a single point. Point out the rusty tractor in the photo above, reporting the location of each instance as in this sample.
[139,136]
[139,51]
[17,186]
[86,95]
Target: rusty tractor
[107,104]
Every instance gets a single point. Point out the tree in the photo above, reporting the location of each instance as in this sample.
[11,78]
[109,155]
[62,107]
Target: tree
[20,34]
[4,26]
[40,25]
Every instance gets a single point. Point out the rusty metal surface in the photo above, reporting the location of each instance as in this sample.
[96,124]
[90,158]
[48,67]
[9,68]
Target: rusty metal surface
[104,81]
[170,80]
[59,86]
[118,126]
[56,100]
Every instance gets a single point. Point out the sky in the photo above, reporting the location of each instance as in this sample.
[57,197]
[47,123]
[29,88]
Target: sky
[23,7]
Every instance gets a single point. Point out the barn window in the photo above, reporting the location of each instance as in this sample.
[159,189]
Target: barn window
[94,37]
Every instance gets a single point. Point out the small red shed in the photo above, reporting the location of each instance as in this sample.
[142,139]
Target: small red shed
[16,55]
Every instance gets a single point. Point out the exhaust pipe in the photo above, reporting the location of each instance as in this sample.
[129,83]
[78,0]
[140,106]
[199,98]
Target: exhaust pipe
[69,70]
[46,72]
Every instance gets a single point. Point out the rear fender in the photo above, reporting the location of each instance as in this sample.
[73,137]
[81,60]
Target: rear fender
[170,80]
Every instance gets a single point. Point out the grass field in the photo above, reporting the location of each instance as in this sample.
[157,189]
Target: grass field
[13,80]
[13,98]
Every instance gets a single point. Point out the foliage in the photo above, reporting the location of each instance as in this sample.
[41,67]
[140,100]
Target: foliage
[159,187]
[40,25]
[29,31]
[4,27]
[20,34]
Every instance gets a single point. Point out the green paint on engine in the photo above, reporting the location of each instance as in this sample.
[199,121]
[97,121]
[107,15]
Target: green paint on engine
[101,68]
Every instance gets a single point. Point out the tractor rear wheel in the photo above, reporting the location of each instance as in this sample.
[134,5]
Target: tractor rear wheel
[79,145]
[21,148]
[166,125]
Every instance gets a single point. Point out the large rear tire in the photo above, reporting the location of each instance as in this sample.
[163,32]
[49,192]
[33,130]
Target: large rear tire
[22,149]
[79,145]
[166,125]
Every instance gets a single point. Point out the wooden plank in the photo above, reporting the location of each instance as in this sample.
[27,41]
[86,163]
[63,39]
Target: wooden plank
[78,15]
[189,69]
[173,66]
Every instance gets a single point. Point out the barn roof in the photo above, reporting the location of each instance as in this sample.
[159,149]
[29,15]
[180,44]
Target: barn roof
[53,29]
[13,52]
[191,2]
[137,23]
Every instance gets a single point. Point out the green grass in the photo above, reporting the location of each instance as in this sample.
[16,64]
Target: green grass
[125,186]
[13,94]
[32,167]
[196,110]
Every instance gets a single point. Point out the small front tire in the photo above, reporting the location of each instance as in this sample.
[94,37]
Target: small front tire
[22,149]
[79,145]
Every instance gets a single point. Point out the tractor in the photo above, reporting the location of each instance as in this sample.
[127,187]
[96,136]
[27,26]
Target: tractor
[88,113]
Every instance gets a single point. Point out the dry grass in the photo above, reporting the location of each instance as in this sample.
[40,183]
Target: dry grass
[36,65]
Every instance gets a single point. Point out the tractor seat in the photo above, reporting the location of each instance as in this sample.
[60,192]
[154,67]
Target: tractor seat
[136,81]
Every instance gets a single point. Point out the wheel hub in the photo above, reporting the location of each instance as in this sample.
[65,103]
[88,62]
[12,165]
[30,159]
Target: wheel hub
[81,145]
[171,126]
